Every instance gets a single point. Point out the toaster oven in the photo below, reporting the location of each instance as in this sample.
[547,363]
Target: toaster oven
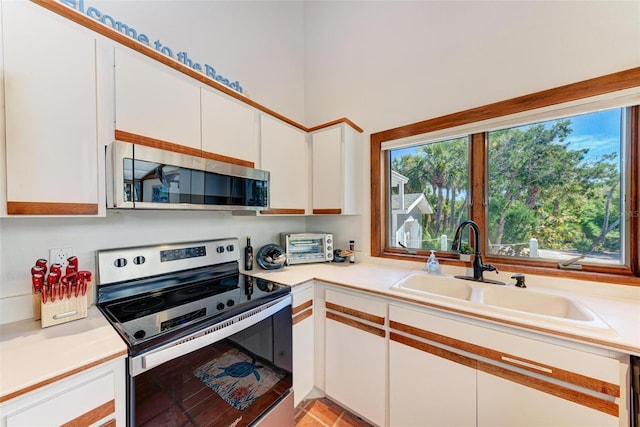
[307,247]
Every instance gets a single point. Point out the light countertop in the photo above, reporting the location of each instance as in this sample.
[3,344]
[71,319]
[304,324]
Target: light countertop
[618,306]
[31,357]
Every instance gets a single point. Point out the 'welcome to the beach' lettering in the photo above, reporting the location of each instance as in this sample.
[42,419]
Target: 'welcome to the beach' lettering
[131,32]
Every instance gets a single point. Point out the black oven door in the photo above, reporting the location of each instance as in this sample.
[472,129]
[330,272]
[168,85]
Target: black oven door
[237,372]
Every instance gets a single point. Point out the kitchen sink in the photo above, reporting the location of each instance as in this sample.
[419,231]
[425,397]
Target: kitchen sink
[421,283]
[522,303]
[536,303]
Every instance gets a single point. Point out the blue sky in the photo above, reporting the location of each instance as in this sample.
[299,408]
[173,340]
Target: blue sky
[599,132]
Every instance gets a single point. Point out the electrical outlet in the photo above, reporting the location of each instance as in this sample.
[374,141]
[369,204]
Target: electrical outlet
[60,256]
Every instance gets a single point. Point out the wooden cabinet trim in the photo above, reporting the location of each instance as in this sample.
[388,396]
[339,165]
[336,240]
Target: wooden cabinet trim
[33,387]
[110,423]
[300,317]
[121,135]
[355,324]
[227,159]
[335,122]
[94,415]
[330,211]
[280,211]
[593,402]
[529,365]
[93,25]
[297,309]
[436,351]
[51,208]
[355,313]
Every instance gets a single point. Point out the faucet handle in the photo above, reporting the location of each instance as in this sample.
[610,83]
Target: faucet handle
[519,280]
[490,267]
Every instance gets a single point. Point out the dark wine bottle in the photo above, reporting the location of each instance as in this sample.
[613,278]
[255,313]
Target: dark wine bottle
[248,255]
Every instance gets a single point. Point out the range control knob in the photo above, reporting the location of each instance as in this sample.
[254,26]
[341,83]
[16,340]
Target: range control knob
[230,303]
[140,334]
[230,248]
[220,249]
[220,306]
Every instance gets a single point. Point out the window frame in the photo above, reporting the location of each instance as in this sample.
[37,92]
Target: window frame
[478,160]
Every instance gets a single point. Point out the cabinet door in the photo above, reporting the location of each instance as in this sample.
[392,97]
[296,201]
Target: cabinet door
[93,397]
[355,359]
[428,385]
[505,403]
[285,155]
[303,343]
[155,102]
[336,171]
[228,127]
[428,389]
[50,101]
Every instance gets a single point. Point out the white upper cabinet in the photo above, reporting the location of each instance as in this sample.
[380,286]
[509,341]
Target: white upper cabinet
[228,127]
[50,101]
[336,170]
[285,154]
[154,101]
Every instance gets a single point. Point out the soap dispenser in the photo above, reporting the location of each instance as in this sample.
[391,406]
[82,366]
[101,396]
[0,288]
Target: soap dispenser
[433,266]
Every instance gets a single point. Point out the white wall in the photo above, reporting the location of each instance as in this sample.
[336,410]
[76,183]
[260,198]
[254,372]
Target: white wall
[26,239]
[385,64]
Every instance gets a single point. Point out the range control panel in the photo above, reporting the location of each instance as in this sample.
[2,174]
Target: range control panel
[122,264]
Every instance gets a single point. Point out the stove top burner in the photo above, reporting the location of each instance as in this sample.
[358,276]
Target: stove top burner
[158,309]
[163,299]
[145,305]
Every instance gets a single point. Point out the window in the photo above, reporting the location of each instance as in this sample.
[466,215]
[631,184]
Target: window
[429,186]
[555,189]
[547,177]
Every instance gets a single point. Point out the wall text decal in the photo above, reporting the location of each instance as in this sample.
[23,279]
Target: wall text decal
[182,56]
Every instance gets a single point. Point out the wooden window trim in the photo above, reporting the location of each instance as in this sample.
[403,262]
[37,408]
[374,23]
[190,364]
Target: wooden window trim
[626,275]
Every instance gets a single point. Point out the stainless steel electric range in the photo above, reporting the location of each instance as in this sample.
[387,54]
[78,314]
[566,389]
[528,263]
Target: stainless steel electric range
[207,345]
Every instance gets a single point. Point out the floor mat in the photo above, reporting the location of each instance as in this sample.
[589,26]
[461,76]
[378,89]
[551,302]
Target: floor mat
[238,378]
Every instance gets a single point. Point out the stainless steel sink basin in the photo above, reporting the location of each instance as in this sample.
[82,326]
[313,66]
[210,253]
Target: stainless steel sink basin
[421,283]
[536,303]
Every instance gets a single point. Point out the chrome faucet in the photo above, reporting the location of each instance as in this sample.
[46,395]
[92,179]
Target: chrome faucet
[478,266]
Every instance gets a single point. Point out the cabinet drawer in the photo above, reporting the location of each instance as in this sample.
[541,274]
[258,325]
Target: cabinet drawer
[519,351]
[302,304]
[82,405]
[365,308]
[302,296]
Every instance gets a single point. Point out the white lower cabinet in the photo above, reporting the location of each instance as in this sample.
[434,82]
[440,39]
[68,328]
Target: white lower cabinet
[506,403]
[445,372]
[303,342]
[355,354]
[429,390]
[94,397]
[402,365]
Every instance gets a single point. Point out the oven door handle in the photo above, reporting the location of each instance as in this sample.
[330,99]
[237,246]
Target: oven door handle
[205,337]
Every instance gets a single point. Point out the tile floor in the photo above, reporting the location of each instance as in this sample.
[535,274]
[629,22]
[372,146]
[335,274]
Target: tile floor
[323,412]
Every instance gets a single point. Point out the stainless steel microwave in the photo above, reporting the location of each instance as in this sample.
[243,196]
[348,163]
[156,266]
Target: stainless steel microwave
[142,177]
[307,247]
